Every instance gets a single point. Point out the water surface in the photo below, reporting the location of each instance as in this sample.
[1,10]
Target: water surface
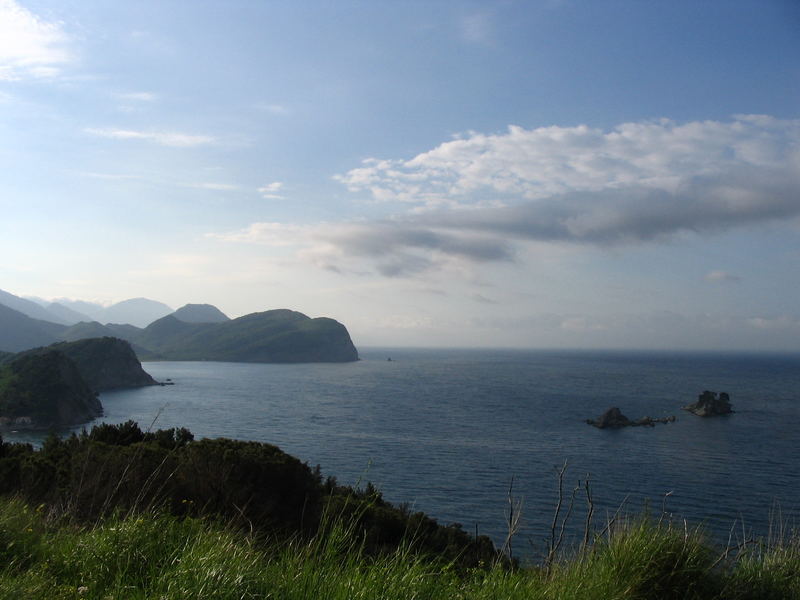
[446,430]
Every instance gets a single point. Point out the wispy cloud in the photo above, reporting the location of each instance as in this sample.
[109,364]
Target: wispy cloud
[217,187]
[162,138]
[477,28]
[109,176]
[30,46]
[274,109]
[137,96]
[271,190]
[268,234]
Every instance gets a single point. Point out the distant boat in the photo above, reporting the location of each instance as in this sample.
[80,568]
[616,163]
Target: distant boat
[389,358]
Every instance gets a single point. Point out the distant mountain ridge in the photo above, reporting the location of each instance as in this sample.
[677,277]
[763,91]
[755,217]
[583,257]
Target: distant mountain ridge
[134,311]
[68,315]
[30,308]
[18,331]
[196,332]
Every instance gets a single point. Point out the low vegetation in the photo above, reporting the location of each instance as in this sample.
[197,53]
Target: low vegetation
[156,555]
[251,486]
[121,513]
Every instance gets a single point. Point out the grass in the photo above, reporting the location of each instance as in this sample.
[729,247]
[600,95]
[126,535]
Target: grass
[154,555]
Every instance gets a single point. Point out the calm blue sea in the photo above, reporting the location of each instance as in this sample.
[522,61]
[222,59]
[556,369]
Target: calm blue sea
[446,430]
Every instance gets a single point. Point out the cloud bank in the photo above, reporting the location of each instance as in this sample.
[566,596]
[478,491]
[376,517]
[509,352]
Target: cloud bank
[476,198]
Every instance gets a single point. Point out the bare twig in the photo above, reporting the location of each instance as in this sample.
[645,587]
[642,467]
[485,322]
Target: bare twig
[552,545]
[607,528]
[664,507]
[589,513]
[565,519]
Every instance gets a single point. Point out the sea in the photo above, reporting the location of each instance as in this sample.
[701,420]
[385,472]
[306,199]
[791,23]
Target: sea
[476,436]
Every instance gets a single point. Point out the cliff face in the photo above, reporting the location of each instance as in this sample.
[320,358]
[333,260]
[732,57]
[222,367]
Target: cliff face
[43,390]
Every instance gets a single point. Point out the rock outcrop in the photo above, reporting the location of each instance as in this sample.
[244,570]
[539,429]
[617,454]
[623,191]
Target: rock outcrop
[614,419]
[710,404]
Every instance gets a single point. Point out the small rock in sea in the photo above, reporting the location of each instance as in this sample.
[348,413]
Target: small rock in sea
[710,404]
[614,419]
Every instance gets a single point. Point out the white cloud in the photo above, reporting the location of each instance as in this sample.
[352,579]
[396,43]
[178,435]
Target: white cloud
[29,46]
[523,164]
[270,190]
[721,276]
[640,183]
[162,138]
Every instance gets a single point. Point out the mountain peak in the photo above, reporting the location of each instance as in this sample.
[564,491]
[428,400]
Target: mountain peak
[200,313]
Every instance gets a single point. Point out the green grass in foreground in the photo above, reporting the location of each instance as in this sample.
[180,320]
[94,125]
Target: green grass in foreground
[159,556]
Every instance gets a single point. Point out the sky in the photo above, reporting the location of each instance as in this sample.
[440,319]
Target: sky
[510,173]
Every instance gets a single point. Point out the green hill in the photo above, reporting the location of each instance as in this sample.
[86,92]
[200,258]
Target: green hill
[271,336]
[198,332]
[106,363]
[84,330]
[45,389]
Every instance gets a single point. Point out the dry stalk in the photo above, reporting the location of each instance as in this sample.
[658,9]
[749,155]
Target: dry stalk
[512,521]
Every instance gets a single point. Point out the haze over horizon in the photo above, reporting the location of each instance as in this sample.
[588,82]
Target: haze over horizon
[613,174]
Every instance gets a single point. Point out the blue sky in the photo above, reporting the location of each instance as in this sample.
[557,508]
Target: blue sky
[545,173]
